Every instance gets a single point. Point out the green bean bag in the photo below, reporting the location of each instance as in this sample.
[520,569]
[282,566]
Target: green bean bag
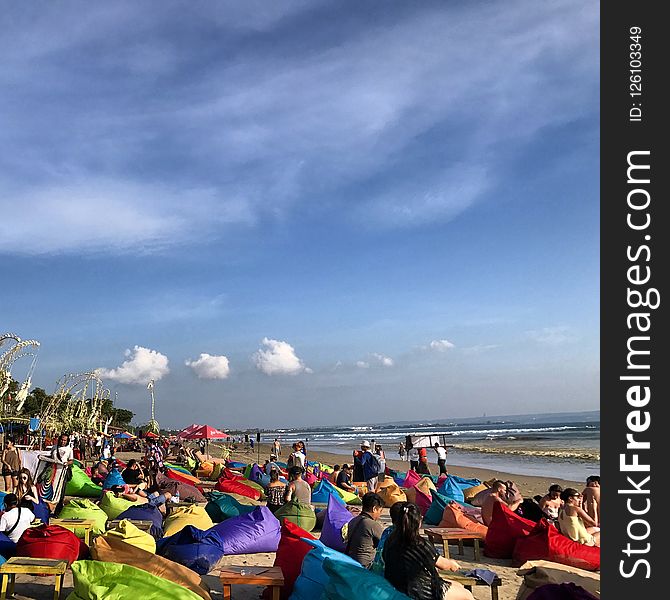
[95,580]
[301,514]
[114,506]
[81,485]
[83,508]
[346,581]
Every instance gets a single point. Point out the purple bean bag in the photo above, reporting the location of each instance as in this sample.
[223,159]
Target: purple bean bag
[192,547]
[337,516]
[256,473]
[258,531]
[146,512]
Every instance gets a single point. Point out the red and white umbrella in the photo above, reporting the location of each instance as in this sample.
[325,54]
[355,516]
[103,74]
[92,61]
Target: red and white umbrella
[205,432]
[190,429]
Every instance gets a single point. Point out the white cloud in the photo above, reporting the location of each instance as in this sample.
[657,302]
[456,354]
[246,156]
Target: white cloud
[552,336]
[361,364]
[141,366]
[210,367]
[278,358]
[382,360]
[375,360]
[440,345]
[480,348]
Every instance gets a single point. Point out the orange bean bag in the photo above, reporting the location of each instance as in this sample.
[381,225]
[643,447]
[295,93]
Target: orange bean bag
[453,516]
[390,492]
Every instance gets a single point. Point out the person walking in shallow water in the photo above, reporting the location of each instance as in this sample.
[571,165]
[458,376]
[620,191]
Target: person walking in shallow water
[401,451]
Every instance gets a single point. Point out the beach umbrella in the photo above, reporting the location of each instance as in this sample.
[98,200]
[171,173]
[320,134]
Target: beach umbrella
[187,430]
[123,436]
[150,434]
[205,432]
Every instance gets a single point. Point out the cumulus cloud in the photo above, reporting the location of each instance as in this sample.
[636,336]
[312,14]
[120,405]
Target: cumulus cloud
[552,336]
[375,360]
[141,366]
[440,345]
[278,358]
[207,366]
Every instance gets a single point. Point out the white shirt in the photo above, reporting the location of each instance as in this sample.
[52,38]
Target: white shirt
[62,453]
[298,459]
[413,454]
[9,518]
[441,453]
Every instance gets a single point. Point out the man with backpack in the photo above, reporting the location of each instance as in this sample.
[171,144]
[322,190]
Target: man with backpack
[371,466]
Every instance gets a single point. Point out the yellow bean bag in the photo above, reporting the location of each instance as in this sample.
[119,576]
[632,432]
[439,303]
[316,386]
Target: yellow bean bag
[245,499]
[390,492]
[426,485]
[186,515]
[471,492]
[134,536]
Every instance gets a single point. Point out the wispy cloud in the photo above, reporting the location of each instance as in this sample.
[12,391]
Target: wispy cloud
[440,345]
[552,336]
[207,366]
[375,360]
[171,129]
[141,366]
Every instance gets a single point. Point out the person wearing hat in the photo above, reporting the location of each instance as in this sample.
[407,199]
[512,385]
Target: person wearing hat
[370,466]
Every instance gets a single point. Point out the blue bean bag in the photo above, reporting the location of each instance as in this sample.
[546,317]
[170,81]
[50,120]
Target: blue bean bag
[346,582]
[337,516]
[235,465]
[323,490]
[192,547]
[463,483]
[433,515]
[258,531]
[146,512]
[113,478]
[41,511]
[7,547]
[2,500]
[453,486]
[313,579]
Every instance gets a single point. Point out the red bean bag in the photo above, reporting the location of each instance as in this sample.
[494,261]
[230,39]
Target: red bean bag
[289,557]
[545,542]
[237,487]
[51,541]
[229,474]
[504,530]
[411,479]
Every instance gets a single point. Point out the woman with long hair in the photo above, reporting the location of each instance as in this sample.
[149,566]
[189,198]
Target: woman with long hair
[411,563]
[574,522]
[26,488]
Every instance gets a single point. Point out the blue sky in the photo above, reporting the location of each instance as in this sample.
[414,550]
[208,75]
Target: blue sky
[305,212]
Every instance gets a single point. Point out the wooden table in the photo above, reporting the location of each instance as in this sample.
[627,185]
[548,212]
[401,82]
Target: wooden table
[31,566]
[233,574]
[468,582]
[74,524]
[442,535]
[140,524]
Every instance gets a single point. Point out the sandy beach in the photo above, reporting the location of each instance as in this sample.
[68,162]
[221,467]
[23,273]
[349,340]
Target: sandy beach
[38,588]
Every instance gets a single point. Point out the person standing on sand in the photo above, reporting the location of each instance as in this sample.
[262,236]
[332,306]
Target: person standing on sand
[11,465]
[381,459]
[370,466]
[276,447]
[441,458]
[591,498]
[413,456]
[401,451]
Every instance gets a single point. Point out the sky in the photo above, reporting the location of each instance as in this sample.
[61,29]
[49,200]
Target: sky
[305,212]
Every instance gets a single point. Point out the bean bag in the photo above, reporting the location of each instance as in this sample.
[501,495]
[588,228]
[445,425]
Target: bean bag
[504,530]
[247,470]
[454,516]
[411,479]
[537,573]
[450,489]
[390,492]
[426,485]
[422,500]
[83,508]
[146,512]
[95,580]
[114,506]
[130,534]
[41,511]
[7,546]
[113,478]
[313,578]
[244,499]
[205,469]
[223,506]
[410,494]
[336,517]
[323,490]
[471,492]
[192,547]
[433,515]
[256,473]
[186,515]
[348,497]
[301,514]
[180,469]
[113,549]
[255,486]
[561,591]
[545,542]
[183,477]
[310,478]
[237,487]
[235,464]
[346,581]
[290,554]
[51,541]
[187,492]
[258,531]
[81,485]
[216,471]
[2,500]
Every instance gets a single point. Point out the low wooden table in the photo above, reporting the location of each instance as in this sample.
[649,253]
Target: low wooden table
[468,582]
[140,524]
[442,535]
[31,566]
[74,524]
[234,574]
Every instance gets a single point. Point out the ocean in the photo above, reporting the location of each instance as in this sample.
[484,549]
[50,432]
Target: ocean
[564,446]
